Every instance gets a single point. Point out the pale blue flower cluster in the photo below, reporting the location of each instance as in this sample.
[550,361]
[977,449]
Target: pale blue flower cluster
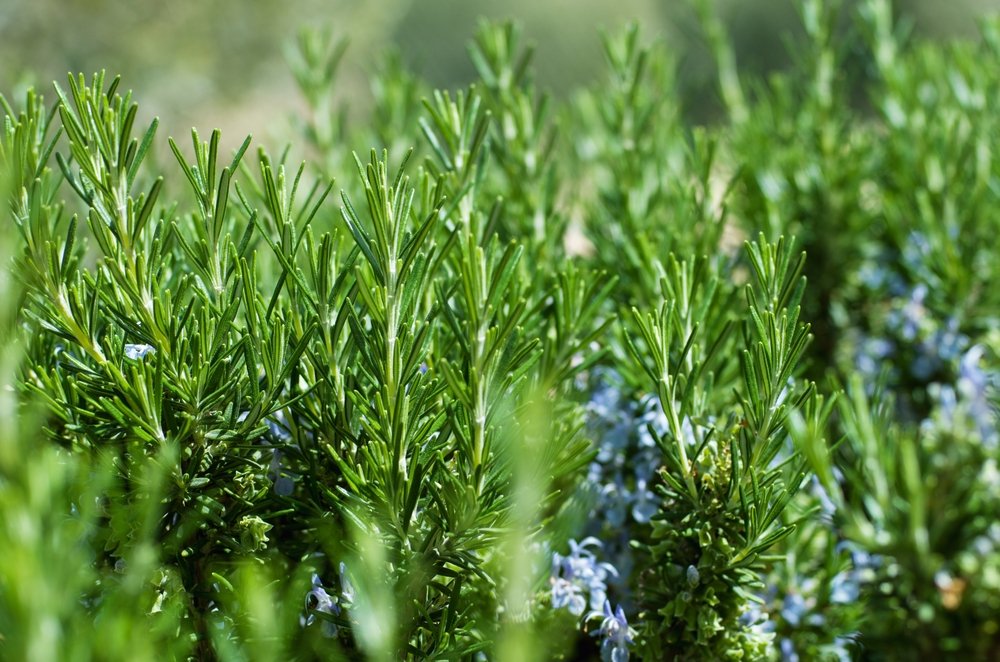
[938,357]
[846,586]
[935,344]
[917,344]
[887,271]
[627,454]
[873,355]
[967,405]
[799,606]
[876,276]
[622,474]
[579,580]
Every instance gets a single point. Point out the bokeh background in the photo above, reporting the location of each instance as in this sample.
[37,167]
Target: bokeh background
[223,64]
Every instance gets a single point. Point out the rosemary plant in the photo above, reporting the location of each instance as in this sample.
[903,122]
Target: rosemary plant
[510,388]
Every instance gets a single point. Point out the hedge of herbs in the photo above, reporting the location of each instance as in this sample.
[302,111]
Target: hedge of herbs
[548,380]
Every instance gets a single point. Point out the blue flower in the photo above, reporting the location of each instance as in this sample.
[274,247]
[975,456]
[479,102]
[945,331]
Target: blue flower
[937,349]
[965,407]
[567,594]
[319,601]
[277,426]
[577,574]
[788,653]
[644,503]
[615,633]
[877,277]
[794,608]
[872,354]
[609,419]
[909,319]
[347,587]
[653,419]
[844,589]
[755,618]
[614,499]
[137,352]
[949,342]
[839,650]
[284,484]
[973,384]
[606,401]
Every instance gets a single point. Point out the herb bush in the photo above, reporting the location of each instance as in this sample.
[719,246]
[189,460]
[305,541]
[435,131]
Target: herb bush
[551,380]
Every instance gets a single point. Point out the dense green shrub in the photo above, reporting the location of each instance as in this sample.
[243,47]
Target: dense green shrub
[551,380]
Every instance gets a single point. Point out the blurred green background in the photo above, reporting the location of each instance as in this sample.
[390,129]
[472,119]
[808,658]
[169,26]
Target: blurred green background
[210,64]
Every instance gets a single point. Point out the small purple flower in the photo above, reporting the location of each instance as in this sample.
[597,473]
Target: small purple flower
[594,473]
[606,402]
[609,415]
[844,588]
[278,435]
[862,571]
[615,633]
[319,601]
[876,277]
